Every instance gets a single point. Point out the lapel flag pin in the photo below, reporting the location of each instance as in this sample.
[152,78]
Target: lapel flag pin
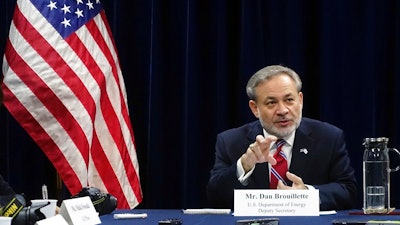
[304,150]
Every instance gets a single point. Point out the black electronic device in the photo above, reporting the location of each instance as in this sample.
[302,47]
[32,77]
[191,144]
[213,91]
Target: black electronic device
[263,221]
[104,203]
[172,221]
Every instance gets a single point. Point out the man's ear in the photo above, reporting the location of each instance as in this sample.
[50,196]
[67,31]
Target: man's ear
[301,99]
[253,107]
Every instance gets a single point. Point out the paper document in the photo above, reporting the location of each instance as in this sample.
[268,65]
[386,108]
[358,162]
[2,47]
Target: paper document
[206,211]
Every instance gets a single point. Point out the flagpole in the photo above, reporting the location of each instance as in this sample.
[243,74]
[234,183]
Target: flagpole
[59,185]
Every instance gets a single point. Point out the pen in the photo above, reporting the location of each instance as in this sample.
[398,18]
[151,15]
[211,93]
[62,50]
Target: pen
[130,215]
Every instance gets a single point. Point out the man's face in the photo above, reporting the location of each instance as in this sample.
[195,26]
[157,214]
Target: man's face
[278,105]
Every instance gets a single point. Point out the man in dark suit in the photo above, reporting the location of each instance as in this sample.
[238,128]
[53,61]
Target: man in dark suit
[315,152]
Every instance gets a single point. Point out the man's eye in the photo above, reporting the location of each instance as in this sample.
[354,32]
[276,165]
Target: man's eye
[270,103]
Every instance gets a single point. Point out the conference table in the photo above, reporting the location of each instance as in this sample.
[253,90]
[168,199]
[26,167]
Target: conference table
[155,215]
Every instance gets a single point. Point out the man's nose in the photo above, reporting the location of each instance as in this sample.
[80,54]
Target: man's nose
[282,109]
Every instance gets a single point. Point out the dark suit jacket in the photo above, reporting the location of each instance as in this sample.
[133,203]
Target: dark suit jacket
[326,166]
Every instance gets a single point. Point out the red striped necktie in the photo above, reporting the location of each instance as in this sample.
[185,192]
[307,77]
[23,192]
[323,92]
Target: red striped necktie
[278,171]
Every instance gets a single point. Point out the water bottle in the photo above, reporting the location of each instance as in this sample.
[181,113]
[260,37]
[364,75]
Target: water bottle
[376,175]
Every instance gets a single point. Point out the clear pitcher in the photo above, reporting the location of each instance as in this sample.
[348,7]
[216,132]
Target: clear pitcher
[376,175]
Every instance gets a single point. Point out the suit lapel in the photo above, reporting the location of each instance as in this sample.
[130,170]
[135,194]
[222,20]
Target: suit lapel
[302,150]
[255,130]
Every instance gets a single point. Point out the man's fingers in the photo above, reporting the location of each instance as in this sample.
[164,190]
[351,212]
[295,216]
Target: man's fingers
[258,152]
[294,178]
[270,159]
[282,186]
[297,182]
[264,145]
[255,150]
[265,141]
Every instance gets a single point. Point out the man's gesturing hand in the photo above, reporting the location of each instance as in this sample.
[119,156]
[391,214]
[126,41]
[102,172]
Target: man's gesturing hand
[297,182]
[258,152]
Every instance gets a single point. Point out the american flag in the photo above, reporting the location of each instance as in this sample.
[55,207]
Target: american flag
[63,83]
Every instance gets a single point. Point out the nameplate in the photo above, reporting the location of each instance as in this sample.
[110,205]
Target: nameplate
[272,202]
[57,219]
[79,211]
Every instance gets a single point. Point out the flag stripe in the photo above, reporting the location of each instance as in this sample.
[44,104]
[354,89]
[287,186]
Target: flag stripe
[74,91]
[56,59]
[40,87]
[108,176]
[22,115]
[121,84]
[119,78]
[112,120]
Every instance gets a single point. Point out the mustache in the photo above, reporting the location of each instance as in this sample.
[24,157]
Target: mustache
[283,119]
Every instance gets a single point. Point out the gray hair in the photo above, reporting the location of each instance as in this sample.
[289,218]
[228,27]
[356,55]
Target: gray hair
[267,73]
